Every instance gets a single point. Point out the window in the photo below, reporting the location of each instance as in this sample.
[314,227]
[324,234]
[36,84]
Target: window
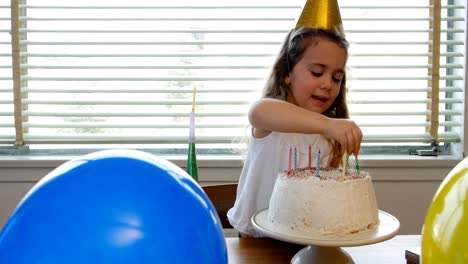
[86,73]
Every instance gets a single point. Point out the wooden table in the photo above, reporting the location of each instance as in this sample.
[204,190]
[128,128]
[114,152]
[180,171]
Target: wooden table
[265,250]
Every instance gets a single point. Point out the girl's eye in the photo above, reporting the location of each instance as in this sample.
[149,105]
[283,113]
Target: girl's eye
[317,74]
[336,79]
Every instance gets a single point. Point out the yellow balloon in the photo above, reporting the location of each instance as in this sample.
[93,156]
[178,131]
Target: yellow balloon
[445,230]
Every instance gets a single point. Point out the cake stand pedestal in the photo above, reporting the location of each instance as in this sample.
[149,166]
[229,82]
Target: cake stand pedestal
[322,255]
[325,249]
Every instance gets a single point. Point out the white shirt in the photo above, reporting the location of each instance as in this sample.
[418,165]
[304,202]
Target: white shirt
[267,157]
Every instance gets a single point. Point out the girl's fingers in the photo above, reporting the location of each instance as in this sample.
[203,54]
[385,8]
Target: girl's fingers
[357,141]
[350,142]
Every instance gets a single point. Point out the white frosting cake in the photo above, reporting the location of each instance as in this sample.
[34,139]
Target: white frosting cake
[304,204]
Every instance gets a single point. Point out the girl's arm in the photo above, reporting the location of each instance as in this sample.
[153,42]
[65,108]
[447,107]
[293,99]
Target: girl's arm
[268,115]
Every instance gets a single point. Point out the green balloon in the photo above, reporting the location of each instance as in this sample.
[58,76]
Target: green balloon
[445,230]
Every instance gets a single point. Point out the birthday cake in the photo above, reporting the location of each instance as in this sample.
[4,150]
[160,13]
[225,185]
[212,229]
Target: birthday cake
[305,202]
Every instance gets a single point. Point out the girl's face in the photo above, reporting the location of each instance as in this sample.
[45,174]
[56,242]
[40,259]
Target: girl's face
[315,80]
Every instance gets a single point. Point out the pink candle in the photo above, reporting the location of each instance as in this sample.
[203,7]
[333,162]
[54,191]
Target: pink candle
[310,158]
[290,160]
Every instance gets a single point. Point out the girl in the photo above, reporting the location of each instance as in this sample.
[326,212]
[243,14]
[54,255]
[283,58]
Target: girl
[304,103]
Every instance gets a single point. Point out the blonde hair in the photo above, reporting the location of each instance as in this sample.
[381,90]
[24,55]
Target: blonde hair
[292,50]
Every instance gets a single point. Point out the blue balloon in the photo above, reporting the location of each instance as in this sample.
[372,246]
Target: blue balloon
[114,206]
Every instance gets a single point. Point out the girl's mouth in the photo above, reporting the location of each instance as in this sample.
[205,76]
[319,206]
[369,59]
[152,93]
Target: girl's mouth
[320,99]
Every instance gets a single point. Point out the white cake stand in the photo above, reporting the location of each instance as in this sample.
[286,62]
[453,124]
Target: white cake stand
[326,249]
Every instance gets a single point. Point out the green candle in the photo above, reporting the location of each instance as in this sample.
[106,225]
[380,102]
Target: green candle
[358,169]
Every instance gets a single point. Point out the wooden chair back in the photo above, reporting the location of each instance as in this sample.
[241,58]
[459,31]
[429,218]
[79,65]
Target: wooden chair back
[223,197]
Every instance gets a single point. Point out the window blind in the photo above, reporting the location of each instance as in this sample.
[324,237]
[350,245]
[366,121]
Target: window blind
[7,132]
[87,72]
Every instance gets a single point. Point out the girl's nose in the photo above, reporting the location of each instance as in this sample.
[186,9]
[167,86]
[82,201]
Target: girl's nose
[326,83]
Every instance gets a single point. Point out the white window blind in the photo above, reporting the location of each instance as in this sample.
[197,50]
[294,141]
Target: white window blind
[7,131]
[87,72]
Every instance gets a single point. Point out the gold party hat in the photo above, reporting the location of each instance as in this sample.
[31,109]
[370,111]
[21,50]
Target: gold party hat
[321,14]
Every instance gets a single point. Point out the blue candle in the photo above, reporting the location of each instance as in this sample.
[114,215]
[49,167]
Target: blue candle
[295,158]
[318,164]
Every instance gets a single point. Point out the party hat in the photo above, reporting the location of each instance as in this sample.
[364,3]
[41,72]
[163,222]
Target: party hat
[323,14]
[192,168]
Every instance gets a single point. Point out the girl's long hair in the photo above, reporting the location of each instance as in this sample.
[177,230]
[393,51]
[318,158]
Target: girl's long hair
[291,52]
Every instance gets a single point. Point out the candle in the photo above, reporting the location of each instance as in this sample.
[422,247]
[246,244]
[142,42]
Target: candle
[344,159]
[347,162]
[192,168]
[318,164]
[290,157]
[358,169]
[192,118]
[310,157]
[295,158]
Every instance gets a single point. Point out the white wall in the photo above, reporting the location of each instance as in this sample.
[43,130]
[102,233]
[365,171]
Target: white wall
[404,187]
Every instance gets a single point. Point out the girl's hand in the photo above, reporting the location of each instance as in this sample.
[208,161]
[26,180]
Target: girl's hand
[347,133]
